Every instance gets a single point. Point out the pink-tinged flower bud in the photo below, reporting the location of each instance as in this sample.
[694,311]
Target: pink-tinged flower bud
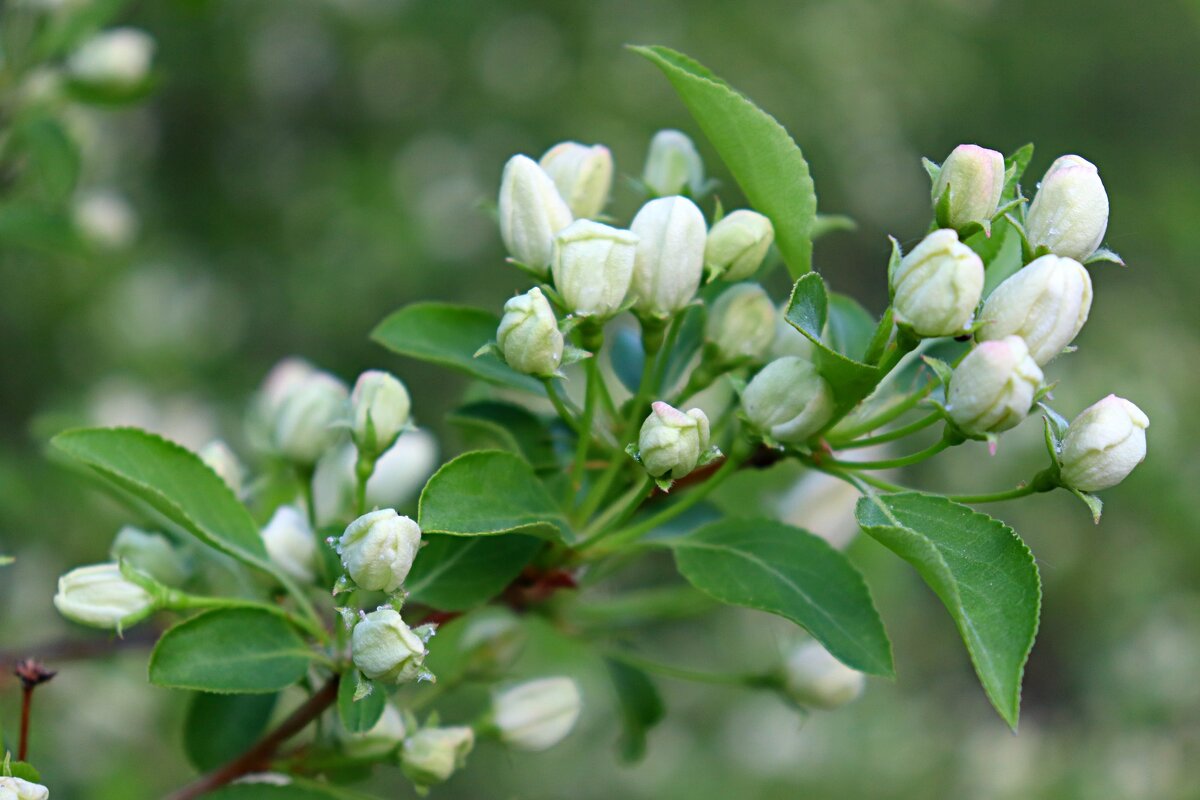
[673,164]
[1046,304]
[937,286]
[1103,444]
[993,388]
[814,678]
[737,244]
[1069,213]
[670,255]
[593,265]
[671,442]
[385,649]
[788,400]
[531,213]
[741,324]
[528,336]
[975,178]
[582,174]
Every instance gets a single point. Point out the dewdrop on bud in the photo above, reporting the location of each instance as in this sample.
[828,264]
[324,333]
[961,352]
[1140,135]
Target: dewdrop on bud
[531,213]
[787,400]
[593,265]
[737,245]
[538,714]
[310,418]
[383,737]
[378,549]
[582,174]
[673,164]
[528,336]
[1103,444]
[100,596]
[993,388]
[974,176]
[431,755]
[385,649]
[741,323]
[937,286]
[814,678]
[1069,213]
[1046,304]
[118,58]
[150,553]
[290,543]
[222,460]
[671,442]
[379,409]
[670,256]
[20,789]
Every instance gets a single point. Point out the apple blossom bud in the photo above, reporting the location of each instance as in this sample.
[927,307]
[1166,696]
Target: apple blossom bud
[593,265]
[528,336]
[1046,304]
[814,678]
[118,58]
[379,407]
[381,740]
[671,442]
[385,649]
[737,244]
[670,255]
[222,460]
[290,543]
[150,553]
[531,213]
[582,174]
[993,388]
[19,789]
[937,286]
[307,423]
[673,164]
[1069,213]
[100,596]
[288,375]
[787,400]
[105,219]
[378,549]
[491,641]
[538,714]
[741,323]
[1103,444]
[975,177]
[431,755]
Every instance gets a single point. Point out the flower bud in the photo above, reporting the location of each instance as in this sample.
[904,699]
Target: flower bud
[814,678]
[379,407]
[937,286]
[118,58]
[737,244]
[385,649]
[221,460]
[282,381]
[528,335]
[105,219]
[150,553]
[975,177]
[431,755]
[788,400]
[1069,213]
[1103,444]
[531,213]
[383,737]
[993,388]
[491,641]
[671,442]
[582,174]
[593,265]
[378,549]
[741,323]
[100,596]
[20,789]
[290,543]
[670,255]
[307,423]
[1046,304]
[673,164]
[538,714]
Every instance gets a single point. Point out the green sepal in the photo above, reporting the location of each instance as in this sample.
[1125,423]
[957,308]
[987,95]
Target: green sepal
[1104,254]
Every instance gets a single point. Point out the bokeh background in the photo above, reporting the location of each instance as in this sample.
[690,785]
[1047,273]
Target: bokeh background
[303,167]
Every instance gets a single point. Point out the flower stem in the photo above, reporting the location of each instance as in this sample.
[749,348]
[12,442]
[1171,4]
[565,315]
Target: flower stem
[180,601]
[622,509]
[680,673]
[364,467]
[842,443]
[589,413]
[892,463]
[995,497]
[560,407]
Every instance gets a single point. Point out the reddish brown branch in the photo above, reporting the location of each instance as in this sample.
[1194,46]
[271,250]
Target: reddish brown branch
[32,675]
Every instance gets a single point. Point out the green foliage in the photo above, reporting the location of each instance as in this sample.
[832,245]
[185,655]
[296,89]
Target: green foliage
[641,707]
[218,727]
[488,492]
[455,573]
[359,715]
[509,427]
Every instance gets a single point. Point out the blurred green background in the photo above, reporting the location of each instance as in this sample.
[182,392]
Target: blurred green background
[303,168]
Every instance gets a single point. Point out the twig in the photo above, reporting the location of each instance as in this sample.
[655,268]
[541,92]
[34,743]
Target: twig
[32,675]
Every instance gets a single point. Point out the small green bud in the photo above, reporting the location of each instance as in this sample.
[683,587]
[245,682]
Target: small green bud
[528,336]
[379,407]
[788,400]
[673,164]
[737,245]
[741,323]
[671,442]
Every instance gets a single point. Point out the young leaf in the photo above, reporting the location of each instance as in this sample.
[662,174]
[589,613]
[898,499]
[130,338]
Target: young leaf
[233,650]
[455,573]
[1014,168]
[764,564]
[510,427]
[219,727]
[641,707]
[850,327]
[359,716]
[983,573]
[759,152]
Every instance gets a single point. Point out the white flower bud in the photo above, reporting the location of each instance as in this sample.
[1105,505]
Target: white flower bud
[673,164]
[100,596]
[670,255]
[105,219]
[150,553]
[491,641]
[1069,213]
[741,323]
[814,678]
[431,755]
[307,423]
[20,789]
[671,442]
[383,737]
[993,388]
[538,714]
[528,335]
[281,382]
[593,265]
[119,58]
[1103,444]
[1046,304]
[582,174]
[385,649]
[290,543]
[975,177]
[531,213]
[222,460]
[937,286]
[379,408]
[378,549]
[787,400]
[737,245]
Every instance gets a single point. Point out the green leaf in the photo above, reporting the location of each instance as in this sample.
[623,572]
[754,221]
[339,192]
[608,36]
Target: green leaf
[219,727]
[850,327]
[359,716]
[641,708]
[488,492]
[233,650]
[52,159]
[510,427]
[296,789]
[455,573]
[1014,168]
[762,156]
[39,229]
[25,771]
[450,335]
[981,570]
[764,564]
